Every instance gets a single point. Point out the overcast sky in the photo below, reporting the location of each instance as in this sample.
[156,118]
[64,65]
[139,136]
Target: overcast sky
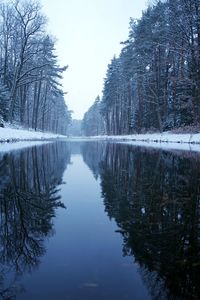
[88,35]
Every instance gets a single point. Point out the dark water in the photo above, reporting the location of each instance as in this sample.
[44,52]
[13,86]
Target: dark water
[97,221]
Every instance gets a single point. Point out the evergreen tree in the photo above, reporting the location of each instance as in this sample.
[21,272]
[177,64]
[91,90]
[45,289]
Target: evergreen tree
[154,84]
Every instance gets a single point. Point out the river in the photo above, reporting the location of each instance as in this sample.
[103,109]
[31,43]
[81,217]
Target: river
[99,221]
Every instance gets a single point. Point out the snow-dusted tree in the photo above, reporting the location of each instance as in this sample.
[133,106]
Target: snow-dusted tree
[29,24]
[93,123]
[110,100]
[4,103]
[29,71]
[155,82]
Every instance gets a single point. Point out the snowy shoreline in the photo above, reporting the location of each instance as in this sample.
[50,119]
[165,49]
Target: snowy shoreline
[165,137]
[14,135]
[166,140]
[12,139]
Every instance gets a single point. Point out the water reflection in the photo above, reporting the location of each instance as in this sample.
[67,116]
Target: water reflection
[154,197]
[28,199]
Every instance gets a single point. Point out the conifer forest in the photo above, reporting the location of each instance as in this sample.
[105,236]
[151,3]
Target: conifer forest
[154,84]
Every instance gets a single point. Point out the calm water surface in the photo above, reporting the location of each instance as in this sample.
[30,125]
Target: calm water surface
[99,221]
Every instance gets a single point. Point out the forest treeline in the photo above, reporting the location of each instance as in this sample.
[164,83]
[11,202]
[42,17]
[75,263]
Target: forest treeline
[30,90]
[154,84]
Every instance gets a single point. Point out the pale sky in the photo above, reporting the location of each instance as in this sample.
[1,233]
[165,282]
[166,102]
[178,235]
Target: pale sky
[88,35]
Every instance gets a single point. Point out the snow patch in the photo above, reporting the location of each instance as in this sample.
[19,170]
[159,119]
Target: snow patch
[15,139]
[166,140]
[12,134]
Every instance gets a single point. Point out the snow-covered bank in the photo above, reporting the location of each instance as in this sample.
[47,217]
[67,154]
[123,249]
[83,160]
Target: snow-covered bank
[11,134]
[20,138]
[165,137]
[166,140]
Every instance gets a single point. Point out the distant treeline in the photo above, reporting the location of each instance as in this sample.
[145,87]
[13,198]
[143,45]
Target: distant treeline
[154,84]
[30,90]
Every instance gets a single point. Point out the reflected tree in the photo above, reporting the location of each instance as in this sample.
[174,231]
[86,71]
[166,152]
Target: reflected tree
[154,197]
[29,196]
[92,155]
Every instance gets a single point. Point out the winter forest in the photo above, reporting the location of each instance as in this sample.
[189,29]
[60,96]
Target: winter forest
[154,84]
[30,77]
